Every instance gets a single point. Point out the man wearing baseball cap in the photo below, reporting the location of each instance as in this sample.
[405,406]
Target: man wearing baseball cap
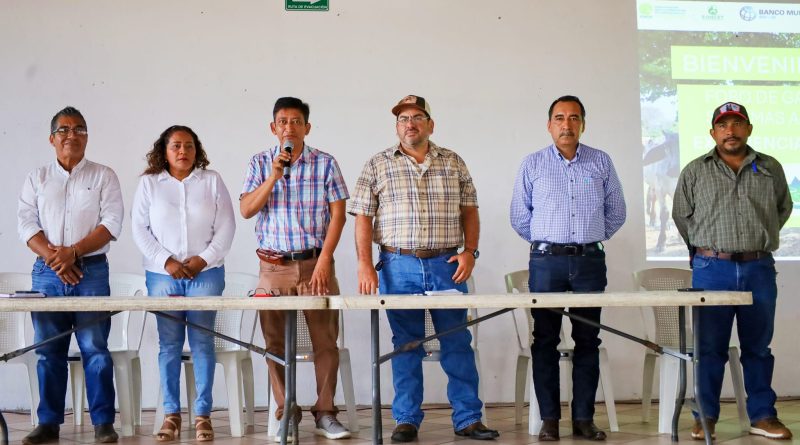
[729,207]
[416,201]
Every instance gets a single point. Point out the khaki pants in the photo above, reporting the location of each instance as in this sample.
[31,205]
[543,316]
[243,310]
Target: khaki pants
[291,278]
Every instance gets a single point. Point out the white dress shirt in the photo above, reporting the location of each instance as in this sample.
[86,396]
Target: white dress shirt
[68,206]
[181,219]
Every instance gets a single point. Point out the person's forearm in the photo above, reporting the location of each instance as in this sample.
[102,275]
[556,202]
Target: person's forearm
[364,238]
[472,226]
[252,203]
[94,241]
[334,233]
[39,245]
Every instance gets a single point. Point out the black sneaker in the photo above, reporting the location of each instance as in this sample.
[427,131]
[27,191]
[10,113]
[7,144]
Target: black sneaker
[104,433]
[43,433]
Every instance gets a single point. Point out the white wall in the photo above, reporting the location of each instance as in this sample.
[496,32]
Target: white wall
[489,69]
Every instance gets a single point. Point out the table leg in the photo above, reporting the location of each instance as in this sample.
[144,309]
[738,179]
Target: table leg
[697,399]
[290,373]
[3,430]
[377,426]
[682,380]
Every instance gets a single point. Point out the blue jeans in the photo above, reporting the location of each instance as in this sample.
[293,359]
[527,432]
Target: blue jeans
[406,274]
[172,334]
[92,341]
[754,323]
[551,273]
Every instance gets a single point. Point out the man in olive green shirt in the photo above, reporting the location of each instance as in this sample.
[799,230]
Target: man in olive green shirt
[729,207]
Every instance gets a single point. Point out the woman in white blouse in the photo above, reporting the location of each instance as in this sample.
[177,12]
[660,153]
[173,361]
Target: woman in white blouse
[183,224]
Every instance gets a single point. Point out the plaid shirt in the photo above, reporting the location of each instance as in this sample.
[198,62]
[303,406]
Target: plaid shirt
[297,215]
[416,206]
[576,201]
[717,208]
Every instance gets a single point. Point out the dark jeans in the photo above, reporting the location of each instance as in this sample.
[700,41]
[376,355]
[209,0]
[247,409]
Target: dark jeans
[92,341]
[754,323]
[550,273]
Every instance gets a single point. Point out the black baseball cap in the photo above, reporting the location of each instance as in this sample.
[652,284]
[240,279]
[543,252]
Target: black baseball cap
[729,109]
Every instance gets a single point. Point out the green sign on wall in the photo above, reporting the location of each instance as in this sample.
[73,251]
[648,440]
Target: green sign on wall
[307,5]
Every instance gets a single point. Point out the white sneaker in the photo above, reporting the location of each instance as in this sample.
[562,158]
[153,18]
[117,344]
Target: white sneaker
[329,427]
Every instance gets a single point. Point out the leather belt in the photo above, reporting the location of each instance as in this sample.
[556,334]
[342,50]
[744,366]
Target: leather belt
[101,258]
[420,253]
[735,256]
[277,257]
[565,249]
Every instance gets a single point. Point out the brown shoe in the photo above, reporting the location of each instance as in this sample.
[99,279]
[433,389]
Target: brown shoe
[404,432]
[478,431]
[586,429]
[549,431]
[43,433]
[771,428]
[697,429]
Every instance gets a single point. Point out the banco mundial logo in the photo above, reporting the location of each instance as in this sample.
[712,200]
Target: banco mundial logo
[747,13]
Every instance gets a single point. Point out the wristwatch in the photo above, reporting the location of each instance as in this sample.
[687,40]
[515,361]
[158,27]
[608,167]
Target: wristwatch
[475,252]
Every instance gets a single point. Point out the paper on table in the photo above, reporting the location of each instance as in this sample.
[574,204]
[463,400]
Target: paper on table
[23,294]
[444,292]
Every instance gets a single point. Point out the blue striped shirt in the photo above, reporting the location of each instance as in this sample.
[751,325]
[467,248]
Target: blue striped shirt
[560,201]
[297,214]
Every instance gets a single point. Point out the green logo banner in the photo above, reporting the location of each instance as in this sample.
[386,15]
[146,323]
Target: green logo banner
[307,5]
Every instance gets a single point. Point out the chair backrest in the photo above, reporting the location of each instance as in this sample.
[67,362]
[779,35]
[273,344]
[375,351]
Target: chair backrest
[433,347]
[667,332]
[127,328]
[238,324]
[517,282]
[12,324]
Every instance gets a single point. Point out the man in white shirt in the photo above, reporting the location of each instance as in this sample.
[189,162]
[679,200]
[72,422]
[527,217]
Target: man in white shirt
[69,211]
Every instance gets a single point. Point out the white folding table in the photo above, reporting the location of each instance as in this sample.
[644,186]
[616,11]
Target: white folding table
[158,306]
[554,301]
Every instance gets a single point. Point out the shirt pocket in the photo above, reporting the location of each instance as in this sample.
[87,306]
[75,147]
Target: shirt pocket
[443,186]
[87,203]
[594,190]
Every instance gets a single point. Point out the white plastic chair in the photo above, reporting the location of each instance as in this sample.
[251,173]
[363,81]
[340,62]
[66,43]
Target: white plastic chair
[518,282]
[236,363]
[667,334]
[13,330]
[305,354]
[124,341]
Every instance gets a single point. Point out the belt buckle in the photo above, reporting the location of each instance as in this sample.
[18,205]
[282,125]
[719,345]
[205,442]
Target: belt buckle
[571,250]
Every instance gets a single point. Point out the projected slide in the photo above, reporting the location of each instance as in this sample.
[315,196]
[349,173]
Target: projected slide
[693,56]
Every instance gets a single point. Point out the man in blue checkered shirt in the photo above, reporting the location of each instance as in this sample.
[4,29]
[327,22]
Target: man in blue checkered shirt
[567,200]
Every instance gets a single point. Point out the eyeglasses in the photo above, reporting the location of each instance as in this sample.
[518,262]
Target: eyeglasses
[65,131]
[296,122]
[418,119]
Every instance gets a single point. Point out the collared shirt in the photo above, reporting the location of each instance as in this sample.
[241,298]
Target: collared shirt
[67,206]
[416,206]
[182,219]
[297,214]
[717,208]
[567,201]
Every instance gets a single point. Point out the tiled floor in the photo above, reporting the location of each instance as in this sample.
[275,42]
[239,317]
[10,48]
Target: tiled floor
[437,429]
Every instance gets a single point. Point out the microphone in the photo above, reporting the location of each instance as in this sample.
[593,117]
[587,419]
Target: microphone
[287,166]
